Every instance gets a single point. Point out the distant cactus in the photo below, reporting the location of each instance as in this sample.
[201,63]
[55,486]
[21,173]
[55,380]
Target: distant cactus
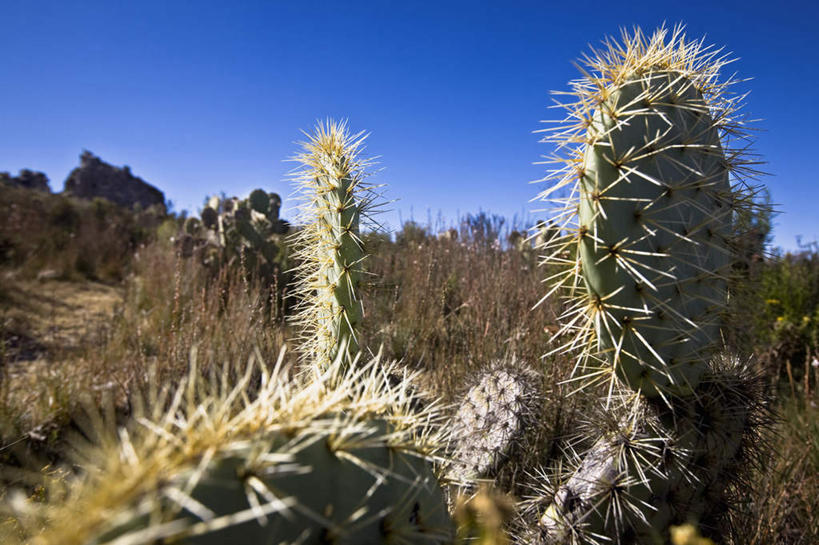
[643,245]
[336,199]
[293,463]
[246,234]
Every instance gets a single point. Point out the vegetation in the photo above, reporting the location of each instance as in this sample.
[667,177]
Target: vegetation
[180,412]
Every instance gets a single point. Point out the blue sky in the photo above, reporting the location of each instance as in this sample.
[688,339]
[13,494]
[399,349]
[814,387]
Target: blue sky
[202,97]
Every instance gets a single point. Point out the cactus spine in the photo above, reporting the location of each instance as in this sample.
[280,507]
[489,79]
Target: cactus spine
[335,201]
[644,257]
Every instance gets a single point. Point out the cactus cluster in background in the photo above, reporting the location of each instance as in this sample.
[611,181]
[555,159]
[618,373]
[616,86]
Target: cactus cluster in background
[239,232]
[649,186]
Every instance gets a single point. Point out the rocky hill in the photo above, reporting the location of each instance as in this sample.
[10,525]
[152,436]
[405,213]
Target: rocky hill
[96,178]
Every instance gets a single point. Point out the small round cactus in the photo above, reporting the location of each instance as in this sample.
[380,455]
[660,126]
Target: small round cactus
[497,429]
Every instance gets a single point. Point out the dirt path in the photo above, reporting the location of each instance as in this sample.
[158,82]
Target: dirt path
[46,319]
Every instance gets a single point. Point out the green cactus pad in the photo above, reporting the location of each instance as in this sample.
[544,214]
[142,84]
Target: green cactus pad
[275,206]
[654,216]
[210,218]
[645,237]
[295,462]
[259,201]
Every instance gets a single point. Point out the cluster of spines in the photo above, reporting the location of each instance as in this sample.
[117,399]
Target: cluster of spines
[329,248]
[654,466]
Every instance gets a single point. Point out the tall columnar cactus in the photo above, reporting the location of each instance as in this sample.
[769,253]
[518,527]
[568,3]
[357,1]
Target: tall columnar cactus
[330,251]
[648,192]
[653,184]
[216,460]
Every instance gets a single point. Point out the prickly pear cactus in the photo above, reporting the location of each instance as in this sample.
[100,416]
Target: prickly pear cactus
[336,199]
[649,215]
[293,463]
[644,252]
[247,235]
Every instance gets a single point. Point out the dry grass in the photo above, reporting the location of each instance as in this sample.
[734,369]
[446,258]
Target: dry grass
[168,305]
[444,307]
[69,238]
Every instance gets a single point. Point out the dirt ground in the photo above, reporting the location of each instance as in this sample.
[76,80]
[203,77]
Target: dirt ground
[44,321]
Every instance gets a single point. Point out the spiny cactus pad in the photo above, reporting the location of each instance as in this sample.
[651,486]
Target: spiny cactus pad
[647,236]
[496,423]
[287,461]
[336,200]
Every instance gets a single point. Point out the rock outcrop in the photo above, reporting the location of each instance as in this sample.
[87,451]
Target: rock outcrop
[96,178]
[26,178]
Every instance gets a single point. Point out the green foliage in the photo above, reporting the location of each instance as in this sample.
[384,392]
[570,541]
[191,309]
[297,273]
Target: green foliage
[786,329]
[411,233]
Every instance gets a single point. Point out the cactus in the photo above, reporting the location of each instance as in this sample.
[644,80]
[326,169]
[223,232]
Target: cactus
[293,462]
[246,234]
[336,199]
[654,465]
[654,186]
[497,430]
[644,250]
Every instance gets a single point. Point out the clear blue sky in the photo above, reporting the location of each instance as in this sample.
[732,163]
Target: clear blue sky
[200,97]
